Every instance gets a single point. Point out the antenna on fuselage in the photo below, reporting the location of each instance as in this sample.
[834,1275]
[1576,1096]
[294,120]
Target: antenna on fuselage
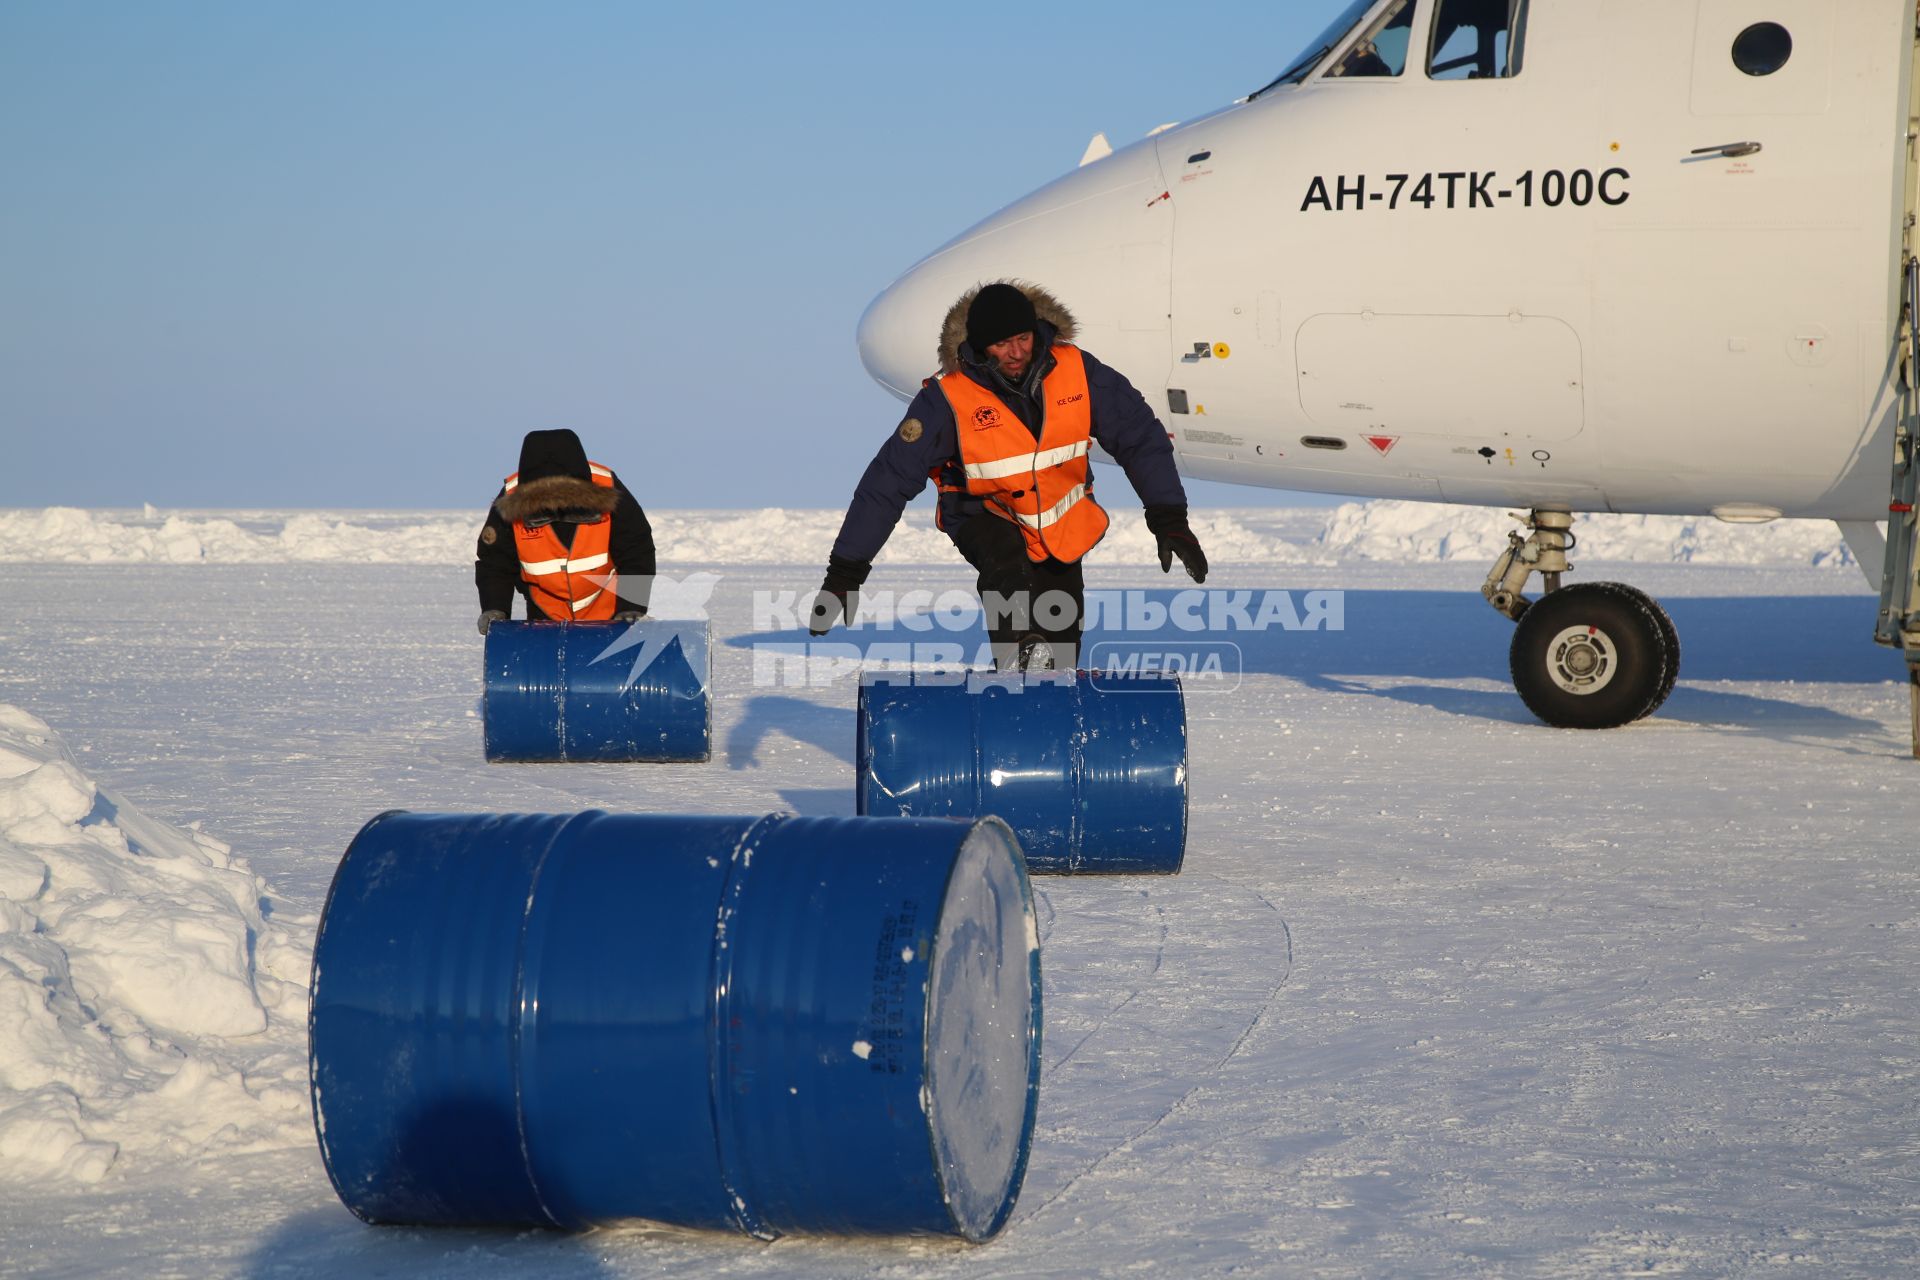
[1098,149]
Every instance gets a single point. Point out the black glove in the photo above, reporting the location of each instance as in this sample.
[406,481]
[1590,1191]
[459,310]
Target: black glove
[630,615]
[490,617]
[1170,532]
[838,593]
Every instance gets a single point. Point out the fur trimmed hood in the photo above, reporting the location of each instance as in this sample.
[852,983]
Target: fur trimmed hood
[552,495]
[953,331]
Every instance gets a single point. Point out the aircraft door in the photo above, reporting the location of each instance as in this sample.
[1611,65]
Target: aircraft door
[1736,282]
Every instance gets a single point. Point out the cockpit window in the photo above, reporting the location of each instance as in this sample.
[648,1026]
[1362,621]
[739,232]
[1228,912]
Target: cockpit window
[1323,44]
[1477,39]
[1381,49]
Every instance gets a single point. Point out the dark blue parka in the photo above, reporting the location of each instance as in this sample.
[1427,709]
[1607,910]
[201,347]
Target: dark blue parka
[1123,425]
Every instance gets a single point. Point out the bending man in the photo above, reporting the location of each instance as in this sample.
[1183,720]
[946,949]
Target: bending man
[567,535]
[1004,431]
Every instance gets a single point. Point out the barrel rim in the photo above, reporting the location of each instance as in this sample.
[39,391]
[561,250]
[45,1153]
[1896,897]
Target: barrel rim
[1017,1175]
[313,1007]
[1186,775]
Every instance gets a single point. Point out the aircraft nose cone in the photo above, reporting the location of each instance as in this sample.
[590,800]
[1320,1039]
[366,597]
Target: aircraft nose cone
[1096,239]
[896,343]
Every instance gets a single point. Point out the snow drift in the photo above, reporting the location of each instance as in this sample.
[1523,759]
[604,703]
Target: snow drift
[1427,531]
[774,535]
[1402,532]
[151,1000]
[68,535]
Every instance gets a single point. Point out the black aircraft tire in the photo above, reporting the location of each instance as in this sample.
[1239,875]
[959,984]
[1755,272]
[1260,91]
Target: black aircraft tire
[1592,656]
[1671,637]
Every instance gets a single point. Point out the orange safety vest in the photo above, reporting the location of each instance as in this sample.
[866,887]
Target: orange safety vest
[1045,486]
[570,584]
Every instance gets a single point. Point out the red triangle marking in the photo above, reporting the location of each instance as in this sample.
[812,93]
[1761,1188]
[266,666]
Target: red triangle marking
[1382,445]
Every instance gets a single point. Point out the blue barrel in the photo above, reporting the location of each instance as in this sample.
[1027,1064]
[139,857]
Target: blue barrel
[1089,768]
[598,691]
[755,1024]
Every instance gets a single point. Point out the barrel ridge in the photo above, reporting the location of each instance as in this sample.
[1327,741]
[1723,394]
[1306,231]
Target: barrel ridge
[719,1019]
[974,695]
[526,989]
[562,685]
[1080,691]
[862,751]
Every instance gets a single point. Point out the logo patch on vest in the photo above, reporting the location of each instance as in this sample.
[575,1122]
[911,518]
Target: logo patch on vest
[986,416]
[911,430]
[1070,399]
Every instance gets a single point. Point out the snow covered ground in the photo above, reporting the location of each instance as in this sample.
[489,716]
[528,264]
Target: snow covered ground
[1390,531]
[1440,992]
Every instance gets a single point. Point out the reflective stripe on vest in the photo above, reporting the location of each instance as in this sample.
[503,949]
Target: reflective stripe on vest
[1025,462]
[1053,514]
[1042,485]
[568,583]
[541,568]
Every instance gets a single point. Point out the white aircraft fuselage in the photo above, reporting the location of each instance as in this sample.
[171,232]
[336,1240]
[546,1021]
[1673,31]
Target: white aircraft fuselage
[1547,288]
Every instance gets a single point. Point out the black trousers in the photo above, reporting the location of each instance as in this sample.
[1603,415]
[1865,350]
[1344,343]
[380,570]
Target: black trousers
[1022,597]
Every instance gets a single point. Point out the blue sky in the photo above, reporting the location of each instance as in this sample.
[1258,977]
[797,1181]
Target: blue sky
[343,255]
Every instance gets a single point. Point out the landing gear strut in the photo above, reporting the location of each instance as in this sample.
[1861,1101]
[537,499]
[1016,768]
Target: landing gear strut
[1899,621]
[1593,656]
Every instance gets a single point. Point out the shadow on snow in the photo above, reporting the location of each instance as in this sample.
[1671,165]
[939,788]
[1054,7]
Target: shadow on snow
[1420,636]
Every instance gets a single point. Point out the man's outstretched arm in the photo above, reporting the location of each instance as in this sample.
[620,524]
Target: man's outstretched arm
[923,440]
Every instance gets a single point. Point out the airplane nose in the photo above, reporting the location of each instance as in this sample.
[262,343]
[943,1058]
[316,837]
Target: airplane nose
[897,335]
[1099,239]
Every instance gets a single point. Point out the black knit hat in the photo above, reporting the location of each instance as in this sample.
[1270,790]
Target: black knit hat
[998,312]
[553,453]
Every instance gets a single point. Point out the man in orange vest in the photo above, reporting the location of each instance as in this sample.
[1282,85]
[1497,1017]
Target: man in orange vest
[567,535]
[1004,430]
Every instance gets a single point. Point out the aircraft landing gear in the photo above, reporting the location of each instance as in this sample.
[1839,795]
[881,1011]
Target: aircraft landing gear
[1593,656]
